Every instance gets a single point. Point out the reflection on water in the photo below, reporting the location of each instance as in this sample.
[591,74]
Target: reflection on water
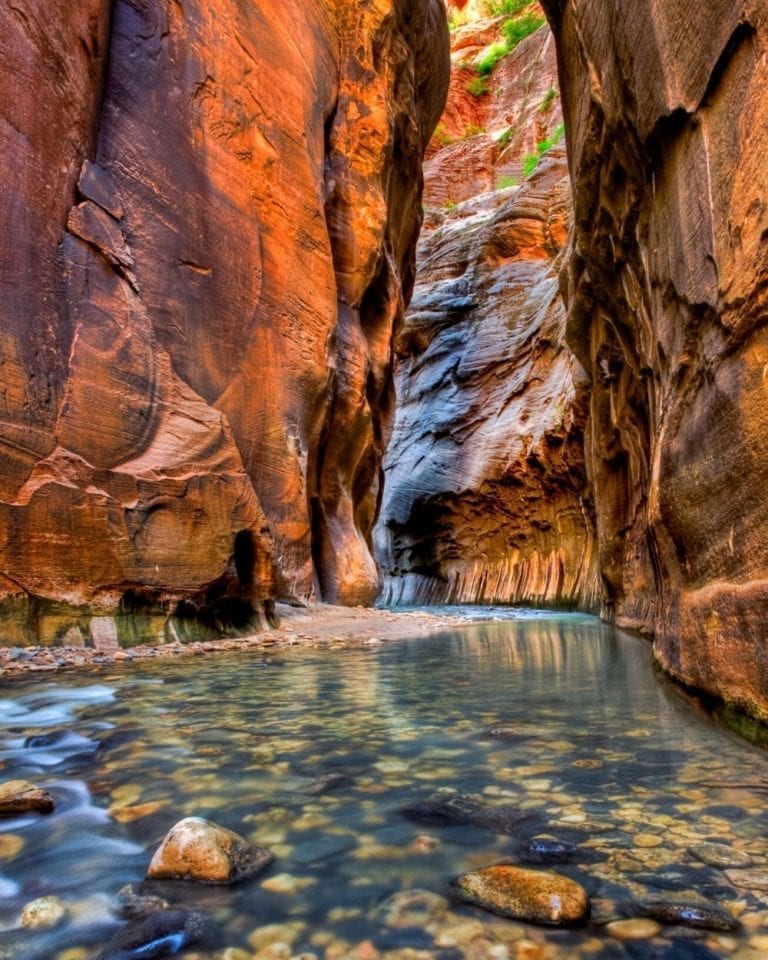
[315,754]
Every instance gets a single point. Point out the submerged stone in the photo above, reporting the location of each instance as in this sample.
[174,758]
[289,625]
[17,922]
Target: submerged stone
[44,912]
[198,849]
[704,916]
[548,850]
[20,796]
[720,855]
[411,908]
[529,895]
[159,934]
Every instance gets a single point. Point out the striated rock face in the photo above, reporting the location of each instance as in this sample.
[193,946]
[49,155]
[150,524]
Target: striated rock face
[485,497]
[667,286]
[208,220]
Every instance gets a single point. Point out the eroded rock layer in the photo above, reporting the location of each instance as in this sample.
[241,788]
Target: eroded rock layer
[485,497]
[208,220]
[667,286]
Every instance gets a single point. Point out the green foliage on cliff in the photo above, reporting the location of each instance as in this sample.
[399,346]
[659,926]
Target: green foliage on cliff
[478,86]
[532,160]
[514,30]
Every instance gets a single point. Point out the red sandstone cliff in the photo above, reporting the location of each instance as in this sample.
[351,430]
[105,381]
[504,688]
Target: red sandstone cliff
[667,286]
[485,495]
[208,219]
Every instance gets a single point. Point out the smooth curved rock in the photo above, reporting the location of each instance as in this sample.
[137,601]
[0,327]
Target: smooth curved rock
[208,221]
[667,123]
[704,916]
[42,913]
[158,934]
[532,896]
[198,849]
[20,796]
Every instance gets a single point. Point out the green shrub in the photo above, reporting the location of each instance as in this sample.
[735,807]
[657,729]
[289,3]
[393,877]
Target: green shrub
[515,31]
[546,103]
[450,205]
[531,161]
[478,86]
[506,181]
[442,136]
[473,130]
[488,63]
[505,137]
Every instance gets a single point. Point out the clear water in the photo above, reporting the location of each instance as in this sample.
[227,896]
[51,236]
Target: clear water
[597,751]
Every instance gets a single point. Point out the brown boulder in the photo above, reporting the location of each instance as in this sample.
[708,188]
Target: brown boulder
[19,796]
[532,896]
[198,849]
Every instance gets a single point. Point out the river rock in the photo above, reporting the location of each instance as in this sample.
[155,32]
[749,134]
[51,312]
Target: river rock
[134,903]
[635,928]
[411,908]
[43,912]
[198,849]
[20,796]
[704,916]
[720,855]
[548,850]
[529,895]
[751,879]
[158,935]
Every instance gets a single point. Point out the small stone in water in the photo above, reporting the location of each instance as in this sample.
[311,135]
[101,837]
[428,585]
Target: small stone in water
[158,934]
[547,850]
[20,796]
[639,928]
[720,855]
[751,879]
[44,912]
[705,916]
[528,895]
[133,903]
[411,908]
[198,849]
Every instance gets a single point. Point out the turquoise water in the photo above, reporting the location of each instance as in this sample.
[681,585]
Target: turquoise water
[317,754]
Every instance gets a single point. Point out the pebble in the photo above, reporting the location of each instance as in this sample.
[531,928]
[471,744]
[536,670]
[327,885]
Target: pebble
[21,796]
[640,928]
[287,883]
[704,916]
[11,845]
[158,934]
[528,895]
[751,879]
[200,850]
[43,912]
[647,840]
[411,908]
[720,855]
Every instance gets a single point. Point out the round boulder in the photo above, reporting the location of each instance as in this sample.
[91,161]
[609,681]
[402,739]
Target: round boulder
[534,896]
[20,796]
[198,849]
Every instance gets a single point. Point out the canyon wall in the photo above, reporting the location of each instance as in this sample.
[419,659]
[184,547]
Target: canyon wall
[667,290]
[208,221]
[485,495]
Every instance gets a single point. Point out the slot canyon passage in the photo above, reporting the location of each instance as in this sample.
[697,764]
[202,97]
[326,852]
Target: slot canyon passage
[383,565]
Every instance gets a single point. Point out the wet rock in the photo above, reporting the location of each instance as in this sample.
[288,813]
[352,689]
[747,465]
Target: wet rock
[44,912]
[529,895]
[461,810]
[703,916]
[720,855]
[51,739]
[134,903]
[435,813]
[751,879]
[158,934]
[20,796]
[411,908]
[325,783]
[636,928]
[548,850]
[198,849]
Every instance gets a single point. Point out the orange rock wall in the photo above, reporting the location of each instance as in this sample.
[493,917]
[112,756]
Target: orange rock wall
[208,221]
[667,287]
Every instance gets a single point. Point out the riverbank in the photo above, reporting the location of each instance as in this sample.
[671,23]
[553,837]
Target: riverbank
[320,625]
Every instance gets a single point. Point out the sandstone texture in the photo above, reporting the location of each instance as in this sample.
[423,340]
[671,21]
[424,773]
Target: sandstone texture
[19,796]
[485,497]
[208,220]
[528,895]
[198,849]
[667,289]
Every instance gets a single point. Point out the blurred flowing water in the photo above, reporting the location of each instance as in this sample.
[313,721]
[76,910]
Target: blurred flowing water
[316,754]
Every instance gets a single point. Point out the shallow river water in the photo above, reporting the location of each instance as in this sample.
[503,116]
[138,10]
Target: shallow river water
[317,753]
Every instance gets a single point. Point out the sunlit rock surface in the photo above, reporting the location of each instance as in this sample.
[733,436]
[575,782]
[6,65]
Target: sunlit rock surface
[667,286]
[208,218]
[485,496]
